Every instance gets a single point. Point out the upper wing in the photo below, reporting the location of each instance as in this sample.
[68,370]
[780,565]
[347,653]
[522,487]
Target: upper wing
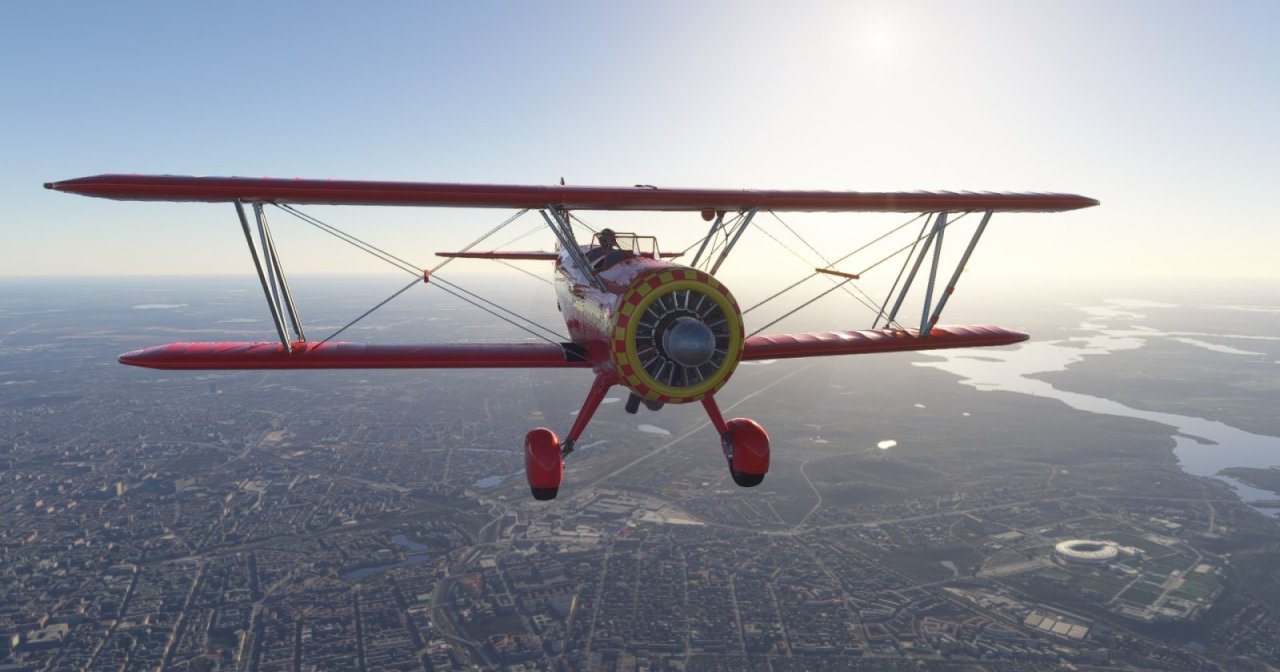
[241,355]
[350,192]
[822,343]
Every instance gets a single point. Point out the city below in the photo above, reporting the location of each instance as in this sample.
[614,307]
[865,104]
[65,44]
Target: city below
[380,521]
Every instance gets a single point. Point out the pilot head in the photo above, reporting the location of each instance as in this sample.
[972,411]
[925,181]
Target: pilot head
[607,238]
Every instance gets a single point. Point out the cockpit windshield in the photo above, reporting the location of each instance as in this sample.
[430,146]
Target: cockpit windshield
[609,247]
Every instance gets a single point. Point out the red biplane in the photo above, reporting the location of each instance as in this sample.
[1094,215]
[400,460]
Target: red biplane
[669,333]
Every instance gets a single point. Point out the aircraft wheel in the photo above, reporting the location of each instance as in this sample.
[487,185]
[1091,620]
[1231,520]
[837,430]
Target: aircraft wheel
[543,466]
[748,452]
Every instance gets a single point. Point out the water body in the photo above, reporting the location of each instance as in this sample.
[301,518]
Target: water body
[489,482]
[951,566]
[496,479]
[1203,447]
[417,555]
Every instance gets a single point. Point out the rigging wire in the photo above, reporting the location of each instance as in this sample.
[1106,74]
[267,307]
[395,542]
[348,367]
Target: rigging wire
[823,257]
[369,312]
[797,283]
[522,236]
[348,238]
[866,302]
[880,312]
[479,240]
[575,218]
[513,323]
[446,284]
[891,255]
[905,261]
[526,271]
[800,307]
[723,227]
[420,275]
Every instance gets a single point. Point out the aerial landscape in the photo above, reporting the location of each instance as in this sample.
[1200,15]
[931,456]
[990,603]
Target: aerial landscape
[379,520]
[1097,489]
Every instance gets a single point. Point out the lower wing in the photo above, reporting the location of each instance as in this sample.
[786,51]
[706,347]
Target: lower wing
[241,355]
[824,343]
[267,355]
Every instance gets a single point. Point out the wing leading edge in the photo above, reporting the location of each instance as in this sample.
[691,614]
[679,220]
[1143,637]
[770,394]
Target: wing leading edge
[244,355]
[824,343]
[234,355]
[354,192]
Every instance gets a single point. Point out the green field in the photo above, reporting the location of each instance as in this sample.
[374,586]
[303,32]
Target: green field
[1190,591]
[1054,574]
[1107,589]
[1197,585]
[1139,595]
[1124,538]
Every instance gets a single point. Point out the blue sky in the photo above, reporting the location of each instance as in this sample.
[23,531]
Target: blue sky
[1165,111]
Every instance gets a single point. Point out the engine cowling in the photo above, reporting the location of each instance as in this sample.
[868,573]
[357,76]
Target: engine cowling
[677,335]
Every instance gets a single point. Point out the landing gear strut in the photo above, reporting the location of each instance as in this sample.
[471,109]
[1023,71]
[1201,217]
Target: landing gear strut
[744,442]
[544,453]
[745,445]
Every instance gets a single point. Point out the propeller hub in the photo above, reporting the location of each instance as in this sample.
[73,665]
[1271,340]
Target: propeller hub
[689,342]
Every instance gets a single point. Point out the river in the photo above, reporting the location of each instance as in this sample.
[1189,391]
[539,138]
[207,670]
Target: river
[1203,447]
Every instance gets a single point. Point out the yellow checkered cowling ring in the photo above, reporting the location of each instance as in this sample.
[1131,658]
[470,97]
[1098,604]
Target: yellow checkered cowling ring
[650,306]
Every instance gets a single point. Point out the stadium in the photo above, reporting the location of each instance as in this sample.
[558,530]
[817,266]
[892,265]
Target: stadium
[1086,552]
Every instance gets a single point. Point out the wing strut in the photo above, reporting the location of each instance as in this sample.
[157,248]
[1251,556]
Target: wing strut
[939,222]
[933,275]
[934,239]
[276,272]
[955,275]
[715,225]
[564,233]
[732,232]
[742,227]
[272,277]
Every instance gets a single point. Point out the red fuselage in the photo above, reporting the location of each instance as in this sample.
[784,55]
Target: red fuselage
[589,313]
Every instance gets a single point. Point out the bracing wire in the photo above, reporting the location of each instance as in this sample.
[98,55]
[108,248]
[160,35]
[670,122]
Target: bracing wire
[880,312]
[369,312]
[725,227]
[526,234]
[902,249]
[352,240]
[479,240]
[526,271]
[419,274]
[446,284]
[513,323]
[905,261]
[797,283]
[866,302]
[575,218]
[800,307]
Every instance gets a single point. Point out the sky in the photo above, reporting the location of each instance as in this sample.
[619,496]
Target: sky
[1163,110]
